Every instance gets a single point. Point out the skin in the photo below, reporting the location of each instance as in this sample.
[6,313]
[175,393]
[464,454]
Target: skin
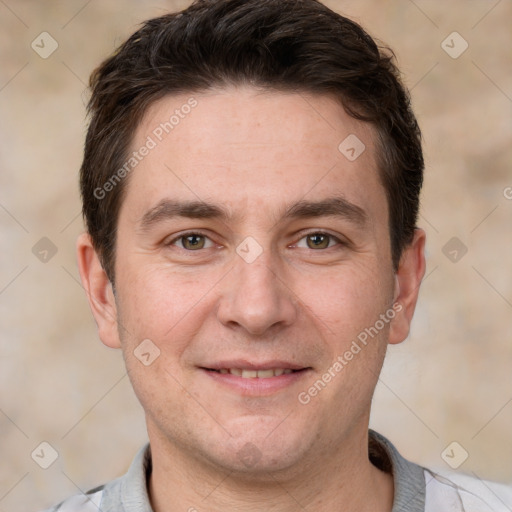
[255,153]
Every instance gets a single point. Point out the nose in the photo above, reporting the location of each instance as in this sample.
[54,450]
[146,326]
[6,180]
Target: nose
[256,296]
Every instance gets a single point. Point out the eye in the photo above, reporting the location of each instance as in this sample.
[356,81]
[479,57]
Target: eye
[194,241]
[191,241]
[319,240]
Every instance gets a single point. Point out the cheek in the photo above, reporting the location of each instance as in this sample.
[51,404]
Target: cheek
[347,311]
[357,313]
[347,301]
[157,302]
[159,311]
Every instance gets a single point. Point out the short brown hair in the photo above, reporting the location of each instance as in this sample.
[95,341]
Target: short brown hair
[286,45]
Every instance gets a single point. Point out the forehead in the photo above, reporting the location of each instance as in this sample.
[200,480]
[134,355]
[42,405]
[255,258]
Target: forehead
[244,146]
[249,115]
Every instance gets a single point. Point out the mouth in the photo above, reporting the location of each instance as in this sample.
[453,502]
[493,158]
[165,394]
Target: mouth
[255,373]
[255,379]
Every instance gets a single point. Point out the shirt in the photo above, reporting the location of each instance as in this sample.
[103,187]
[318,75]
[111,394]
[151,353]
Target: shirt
[416,489]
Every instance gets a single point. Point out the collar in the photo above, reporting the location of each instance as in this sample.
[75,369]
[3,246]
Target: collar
[408,478]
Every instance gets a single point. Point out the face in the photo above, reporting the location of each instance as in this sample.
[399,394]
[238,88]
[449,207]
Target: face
[255,293]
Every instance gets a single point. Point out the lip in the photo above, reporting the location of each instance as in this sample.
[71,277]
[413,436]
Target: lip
[255,386]
[253,365]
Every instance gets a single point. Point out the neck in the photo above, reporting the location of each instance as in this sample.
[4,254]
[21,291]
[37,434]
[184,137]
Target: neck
[182,481]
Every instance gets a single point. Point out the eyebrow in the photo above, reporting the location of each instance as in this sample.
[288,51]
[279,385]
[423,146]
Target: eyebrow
[168,209]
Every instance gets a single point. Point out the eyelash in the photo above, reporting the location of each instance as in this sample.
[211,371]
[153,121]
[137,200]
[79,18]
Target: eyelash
[304,235]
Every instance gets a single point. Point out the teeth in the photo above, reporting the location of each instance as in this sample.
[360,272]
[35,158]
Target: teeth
[253,374]
[264,374]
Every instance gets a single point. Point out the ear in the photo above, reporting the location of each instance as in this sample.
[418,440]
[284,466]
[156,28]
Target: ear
[407,286]
[99,291]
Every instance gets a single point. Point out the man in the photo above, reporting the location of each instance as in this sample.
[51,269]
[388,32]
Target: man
[250,187]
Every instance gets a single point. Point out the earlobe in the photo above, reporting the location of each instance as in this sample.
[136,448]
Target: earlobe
[99,291]
[407,285]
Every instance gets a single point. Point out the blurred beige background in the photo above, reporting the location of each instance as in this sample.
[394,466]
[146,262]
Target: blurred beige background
[450,381]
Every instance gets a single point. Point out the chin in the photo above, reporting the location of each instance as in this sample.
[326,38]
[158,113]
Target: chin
[251,464]
[260,447]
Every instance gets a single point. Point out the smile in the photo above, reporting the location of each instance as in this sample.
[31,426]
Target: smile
[255,374]
[256,379]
